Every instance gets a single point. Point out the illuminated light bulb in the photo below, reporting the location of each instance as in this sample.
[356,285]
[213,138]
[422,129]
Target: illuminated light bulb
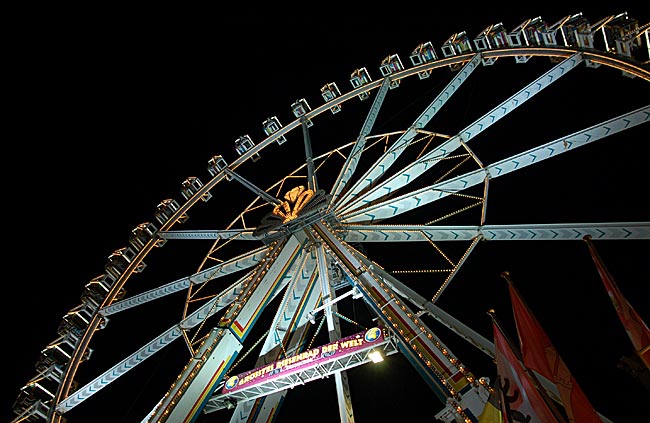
[375,356]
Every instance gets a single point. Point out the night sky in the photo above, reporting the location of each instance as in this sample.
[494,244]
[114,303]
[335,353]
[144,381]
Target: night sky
[113,111]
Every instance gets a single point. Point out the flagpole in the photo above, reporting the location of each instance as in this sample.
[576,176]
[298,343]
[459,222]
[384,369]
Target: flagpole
[549,402]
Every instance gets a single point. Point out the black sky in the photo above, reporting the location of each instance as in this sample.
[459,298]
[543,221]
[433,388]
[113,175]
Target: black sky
[114,110]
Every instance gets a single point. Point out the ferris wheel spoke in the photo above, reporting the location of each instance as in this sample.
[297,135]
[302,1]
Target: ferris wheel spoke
[216,304]
[409,233]
[231,234]
[404,141]
[236,264]
[252,187]
[284,338]
[416,199]
[149,349]
[119,370]
[447,320]
[330,311]
[557,231]
[397,233]
[352,160]
[410,173]
[300,297]
[449,379]
[426,195]
[218,350]
[571,142]
[566,231]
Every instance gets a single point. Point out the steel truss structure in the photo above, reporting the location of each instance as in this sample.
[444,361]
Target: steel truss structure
[299,248]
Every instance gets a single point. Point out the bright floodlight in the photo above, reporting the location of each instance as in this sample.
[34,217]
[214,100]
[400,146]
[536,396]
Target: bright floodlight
[375,356]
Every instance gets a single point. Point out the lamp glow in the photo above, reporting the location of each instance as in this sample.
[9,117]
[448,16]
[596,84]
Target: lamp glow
[375,356]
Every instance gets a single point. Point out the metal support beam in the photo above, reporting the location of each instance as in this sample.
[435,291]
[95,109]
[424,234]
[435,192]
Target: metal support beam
[308,374]
[334,327]
[258,191]
[311,172]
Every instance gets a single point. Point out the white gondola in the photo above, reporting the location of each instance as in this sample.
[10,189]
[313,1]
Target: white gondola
[359,78]
[391,64]
[243,144]
[423,53]
[165,209]
[216,164]
[455,45]
[271,126]
[191,186]
[494,36]
[329,92]
[300,108]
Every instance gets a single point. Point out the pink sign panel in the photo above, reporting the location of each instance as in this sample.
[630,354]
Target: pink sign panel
[303,360]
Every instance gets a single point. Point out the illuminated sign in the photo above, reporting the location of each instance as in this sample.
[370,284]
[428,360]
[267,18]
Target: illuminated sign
[305,359]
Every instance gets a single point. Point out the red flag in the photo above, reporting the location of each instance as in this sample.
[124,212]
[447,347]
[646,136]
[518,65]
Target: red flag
[540,355]
[520,399]
[635,327]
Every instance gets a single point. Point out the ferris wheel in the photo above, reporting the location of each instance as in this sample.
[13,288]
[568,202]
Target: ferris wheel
[337,237]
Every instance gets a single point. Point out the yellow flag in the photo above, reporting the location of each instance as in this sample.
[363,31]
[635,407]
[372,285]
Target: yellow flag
[492,411]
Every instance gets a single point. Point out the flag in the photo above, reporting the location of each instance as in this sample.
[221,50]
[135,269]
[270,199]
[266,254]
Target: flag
[520,399]
[539,354]
[492,411]
[635,327]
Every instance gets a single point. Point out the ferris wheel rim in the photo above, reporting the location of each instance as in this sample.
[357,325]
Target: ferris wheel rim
[98,320]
